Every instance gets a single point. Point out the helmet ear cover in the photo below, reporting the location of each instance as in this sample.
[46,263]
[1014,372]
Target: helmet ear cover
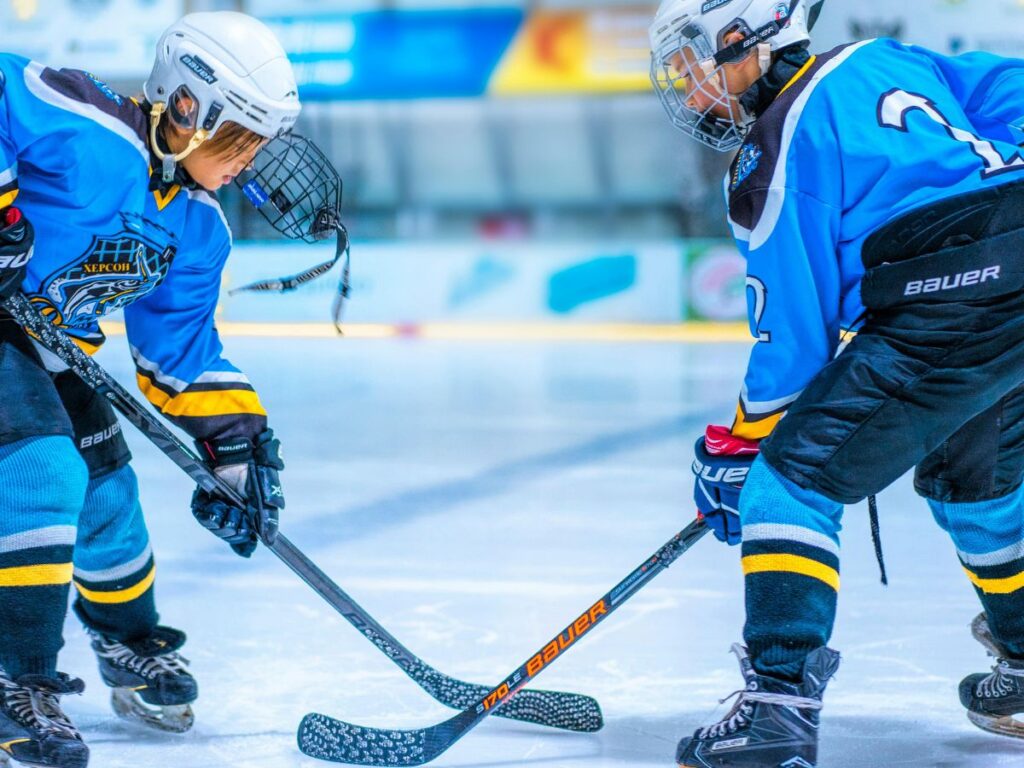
[183,109]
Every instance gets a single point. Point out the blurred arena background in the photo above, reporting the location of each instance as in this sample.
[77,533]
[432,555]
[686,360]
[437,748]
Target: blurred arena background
[504,162]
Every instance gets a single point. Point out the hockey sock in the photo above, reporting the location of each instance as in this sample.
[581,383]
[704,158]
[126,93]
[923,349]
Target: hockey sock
[114,568]
[42,484]
[989,540]
[791,567]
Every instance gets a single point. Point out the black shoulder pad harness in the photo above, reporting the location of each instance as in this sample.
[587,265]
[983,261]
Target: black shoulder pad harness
[787,63]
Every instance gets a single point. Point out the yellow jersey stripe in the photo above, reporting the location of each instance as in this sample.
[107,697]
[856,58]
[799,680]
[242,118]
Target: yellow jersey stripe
[163,200]
[805,566]
[7,198]
[798,75]
[755,430]
[197,404]
[46,575]
[118,595]
[85,346]
[1003,586]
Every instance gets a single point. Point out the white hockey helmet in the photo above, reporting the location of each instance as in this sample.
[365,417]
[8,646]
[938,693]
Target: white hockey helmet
[216,67]
[688,52]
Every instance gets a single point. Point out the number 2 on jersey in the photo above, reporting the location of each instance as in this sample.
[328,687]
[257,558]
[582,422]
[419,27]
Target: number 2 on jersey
[895,105]
[757,290]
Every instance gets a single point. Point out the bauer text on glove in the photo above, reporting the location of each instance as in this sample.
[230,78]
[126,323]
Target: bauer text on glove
[720,466]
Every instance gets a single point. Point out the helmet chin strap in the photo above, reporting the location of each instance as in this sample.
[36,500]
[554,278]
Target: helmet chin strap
[169,161]
[764,62]
[744,117]
[764,57]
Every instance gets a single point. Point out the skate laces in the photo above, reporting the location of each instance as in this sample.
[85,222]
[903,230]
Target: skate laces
[147,666]
[36,702]
[737,717]
[998,683]
[743,709]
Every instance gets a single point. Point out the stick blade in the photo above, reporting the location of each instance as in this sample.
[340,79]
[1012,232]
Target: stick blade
[326,738]
[555,709]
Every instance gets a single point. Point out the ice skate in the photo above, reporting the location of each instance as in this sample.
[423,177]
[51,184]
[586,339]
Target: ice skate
[34,730]
[149,680]
[773,724]
[995,701]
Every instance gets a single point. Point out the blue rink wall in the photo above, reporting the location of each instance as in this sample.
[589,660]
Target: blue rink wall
[654,282]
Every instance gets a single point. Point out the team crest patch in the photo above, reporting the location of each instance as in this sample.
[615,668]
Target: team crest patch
[112,273]
[781,12]
[746,164]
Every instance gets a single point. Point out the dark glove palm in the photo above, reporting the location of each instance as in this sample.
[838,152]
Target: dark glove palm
[252,468]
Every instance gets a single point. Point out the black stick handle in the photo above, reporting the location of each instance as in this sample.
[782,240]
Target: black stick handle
[328,738]
[554,708]
[594,615]
[58,342]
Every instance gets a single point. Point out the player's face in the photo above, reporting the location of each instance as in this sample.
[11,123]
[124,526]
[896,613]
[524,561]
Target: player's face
[713,92]
[213,170]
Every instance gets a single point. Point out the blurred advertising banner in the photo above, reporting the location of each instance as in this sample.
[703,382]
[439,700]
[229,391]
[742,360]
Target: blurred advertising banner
[595,51]
[947,26]
[716,281]
[405,282]
[396,54]
[409,54]
[115,39]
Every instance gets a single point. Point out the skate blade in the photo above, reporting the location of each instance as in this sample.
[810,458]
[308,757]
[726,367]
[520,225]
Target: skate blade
[9,761]
[128,705]
[1003,725]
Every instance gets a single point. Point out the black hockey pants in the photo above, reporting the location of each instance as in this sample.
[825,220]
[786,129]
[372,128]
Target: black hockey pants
[936,383]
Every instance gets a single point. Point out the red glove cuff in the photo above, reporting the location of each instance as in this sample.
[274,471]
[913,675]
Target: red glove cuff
[12,216]
[719,441]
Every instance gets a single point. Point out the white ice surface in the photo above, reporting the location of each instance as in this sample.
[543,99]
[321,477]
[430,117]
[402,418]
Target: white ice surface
[475,498]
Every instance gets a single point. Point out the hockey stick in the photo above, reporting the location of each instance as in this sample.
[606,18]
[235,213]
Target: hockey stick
[325,738]
[557,709]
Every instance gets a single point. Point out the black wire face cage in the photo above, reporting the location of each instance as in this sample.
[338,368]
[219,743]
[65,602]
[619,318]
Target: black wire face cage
[295,188]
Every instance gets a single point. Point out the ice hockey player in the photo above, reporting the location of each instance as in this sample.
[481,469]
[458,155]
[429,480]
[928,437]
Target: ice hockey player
[877,188]
[105,204]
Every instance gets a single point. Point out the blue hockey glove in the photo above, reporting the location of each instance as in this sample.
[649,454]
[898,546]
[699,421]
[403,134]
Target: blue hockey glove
[250,467]
[16,240]
[721,463]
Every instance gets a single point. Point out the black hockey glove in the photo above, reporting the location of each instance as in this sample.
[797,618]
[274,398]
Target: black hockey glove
[16,240]
[250,467]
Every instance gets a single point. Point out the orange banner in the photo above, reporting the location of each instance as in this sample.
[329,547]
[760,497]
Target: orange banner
[596,51]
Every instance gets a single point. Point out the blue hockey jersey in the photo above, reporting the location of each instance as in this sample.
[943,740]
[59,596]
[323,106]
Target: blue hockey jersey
[76,157]
[860,136]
